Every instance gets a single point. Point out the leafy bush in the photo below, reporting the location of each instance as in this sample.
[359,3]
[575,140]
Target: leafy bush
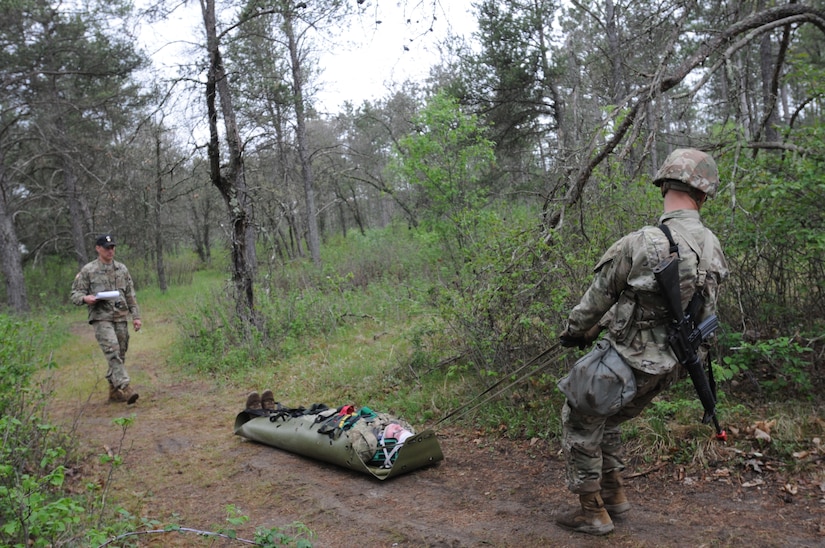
[503,302]
[780,367]
[515,284]
[774,239]
[444,160]
[34,508]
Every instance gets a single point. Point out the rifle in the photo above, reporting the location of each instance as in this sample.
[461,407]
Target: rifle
[685,337]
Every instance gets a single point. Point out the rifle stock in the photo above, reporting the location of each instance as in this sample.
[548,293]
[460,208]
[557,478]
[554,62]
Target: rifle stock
[667,274]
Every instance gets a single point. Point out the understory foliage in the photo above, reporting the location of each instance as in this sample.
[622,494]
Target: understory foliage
[378,275]
[35,507]
[775,243]
[772,228]
[41,504]
[503,295]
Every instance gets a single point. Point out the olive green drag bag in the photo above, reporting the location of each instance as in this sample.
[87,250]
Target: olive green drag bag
[359,439]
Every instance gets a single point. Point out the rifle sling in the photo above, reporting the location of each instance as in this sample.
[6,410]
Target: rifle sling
[704,263]
[704,252]
[674,247]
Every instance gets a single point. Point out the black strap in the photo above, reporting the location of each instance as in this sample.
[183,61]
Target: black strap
[674,248]
[697,301]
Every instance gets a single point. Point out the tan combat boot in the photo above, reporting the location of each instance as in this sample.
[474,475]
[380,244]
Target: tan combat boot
[123,394]
[253,401]
[268,400]
[613,495]
[129,395]
[591,518]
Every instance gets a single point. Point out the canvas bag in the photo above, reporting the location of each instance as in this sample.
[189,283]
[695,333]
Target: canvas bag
[600,383]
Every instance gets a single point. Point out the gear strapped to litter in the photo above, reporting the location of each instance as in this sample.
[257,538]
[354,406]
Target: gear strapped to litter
[363,440]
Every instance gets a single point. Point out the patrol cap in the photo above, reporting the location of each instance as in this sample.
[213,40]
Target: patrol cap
[692,167]
[105,240]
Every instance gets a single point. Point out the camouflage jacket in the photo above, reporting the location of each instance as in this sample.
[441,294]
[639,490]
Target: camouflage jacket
[96,277]
[624,296]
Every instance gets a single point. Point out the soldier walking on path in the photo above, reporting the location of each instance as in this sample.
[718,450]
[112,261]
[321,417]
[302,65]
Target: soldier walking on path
[624,298]
[106,287]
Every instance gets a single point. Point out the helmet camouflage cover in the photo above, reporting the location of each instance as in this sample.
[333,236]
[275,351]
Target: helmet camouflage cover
[692,167]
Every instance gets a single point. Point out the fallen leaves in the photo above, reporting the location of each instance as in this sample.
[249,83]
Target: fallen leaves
[761,430]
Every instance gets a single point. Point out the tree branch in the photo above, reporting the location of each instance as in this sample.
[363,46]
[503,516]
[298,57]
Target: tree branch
[660,83]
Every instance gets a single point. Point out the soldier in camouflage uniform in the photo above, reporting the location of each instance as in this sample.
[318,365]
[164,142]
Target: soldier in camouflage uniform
[109,316]
[624,298]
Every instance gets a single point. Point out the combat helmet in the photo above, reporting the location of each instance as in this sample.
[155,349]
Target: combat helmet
[691,167]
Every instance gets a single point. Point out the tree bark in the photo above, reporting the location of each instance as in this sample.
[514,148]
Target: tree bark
[12,263]
[313,233]
[232,184]
[160,266]
[76,214]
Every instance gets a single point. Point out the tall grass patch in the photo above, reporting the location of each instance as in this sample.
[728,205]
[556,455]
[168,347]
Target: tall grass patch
[370,279]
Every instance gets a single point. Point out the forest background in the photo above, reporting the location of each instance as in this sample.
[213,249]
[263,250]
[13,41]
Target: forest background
[464,211]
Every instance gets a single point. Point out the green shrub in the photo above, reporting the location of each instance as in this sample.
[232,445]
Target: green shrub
[35,509]
[781,366]
[773,235]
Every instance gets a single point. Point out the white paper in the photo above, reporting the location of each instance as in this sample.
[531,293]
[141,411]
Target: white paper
[108,295]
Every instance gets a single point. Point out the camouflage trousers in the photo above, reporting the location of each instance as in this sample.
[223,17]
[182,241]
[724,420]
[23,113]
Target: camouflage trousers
[592,444]
[113,338]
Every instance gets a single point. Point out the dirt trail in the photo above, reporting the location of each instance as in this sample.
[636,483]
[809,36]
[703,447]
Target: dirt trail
[183,465]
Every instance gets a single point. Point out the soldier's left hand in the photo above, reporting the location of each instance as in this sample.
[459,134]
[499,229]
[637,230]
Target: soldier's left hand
[569,341]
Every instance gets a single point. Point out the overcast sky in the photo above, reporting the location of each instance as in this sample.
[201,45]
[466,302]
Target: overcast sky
[380,59]
[375,58]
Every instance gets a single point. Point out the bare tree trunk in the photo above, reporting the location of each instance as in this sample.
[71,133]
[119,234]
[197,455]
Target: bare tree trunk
[614,50]
[356,211]
[770,66]
[741,98]
[313,236]
[76,217]
[766,62]
[565,133]
[294,224]
[199,227]
[12,263]
[80,223]
[158,218]
[232,184]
